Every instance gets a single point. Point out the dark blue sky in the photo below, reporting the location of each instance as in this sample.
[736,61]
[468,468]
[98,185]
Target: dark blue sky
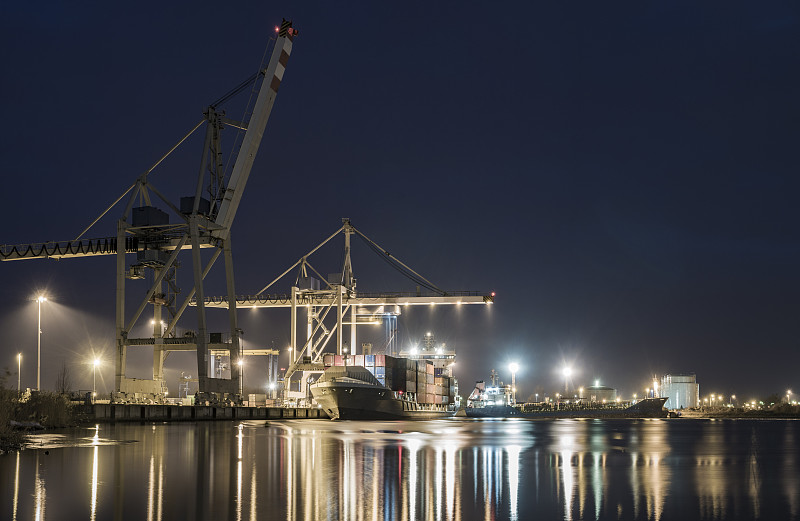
[622,175]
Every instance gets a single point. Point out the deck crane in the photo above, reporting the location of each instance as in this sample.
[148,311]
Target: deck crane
[204,221]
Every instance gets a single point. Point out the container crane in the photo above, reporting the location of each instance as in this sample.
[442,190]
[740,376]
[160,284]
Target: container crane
[204,221]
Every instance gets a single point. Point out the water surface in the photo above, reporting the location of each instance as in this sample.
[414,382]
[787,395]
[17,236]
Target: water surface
[456,469]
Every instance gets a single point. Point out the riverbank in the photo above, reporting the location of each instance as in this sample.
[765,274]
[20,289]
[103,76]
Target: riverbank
[39,410]
[777,412]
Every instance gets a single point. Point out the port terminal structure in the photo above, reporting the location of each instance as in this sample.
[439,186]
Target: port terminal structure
[204,221]
[324,307]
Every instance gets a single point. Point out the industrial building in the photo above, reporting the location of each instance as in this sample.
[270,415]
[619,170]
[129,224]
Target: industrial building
[682,389]
[599,393]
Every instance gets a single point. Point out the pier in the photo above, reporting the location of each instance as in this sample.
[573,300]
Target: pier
[139,413]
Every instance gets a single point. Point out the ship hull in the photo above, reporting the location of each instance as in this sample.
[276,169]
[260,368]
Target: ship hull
[366,402]
[649,408]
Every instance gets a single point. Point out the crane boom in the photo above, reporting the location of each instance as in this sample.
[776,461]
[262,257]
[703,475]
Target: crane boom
[273,75]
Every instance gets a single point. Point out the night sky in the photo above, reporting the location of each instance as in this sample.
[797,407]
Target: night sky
[622,175]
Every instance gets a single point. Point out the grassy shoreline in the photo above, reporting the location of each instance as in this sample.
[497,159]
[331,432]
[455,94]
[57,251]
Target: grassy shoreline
[50,410]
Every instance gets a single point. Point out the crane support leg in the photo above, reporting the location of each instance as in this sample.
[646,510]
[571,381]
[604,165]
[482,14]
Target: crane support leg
[235,350]
[119,373]
[202,334]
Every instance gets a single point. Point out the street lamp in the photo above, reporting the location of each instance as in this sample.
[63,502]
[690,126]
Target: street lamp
[95,363]
[567,371]
[39,300]
[788,395]
[513,367]
[19,370]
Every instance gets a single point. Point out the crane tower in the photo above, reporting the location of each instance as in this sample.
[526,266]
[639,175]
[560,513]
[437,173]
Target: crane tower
[203,220]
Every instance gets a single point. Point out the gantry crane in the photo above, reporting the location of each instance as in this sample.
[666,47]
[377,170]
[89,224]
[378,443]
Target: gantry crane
[332,303]
[204,220]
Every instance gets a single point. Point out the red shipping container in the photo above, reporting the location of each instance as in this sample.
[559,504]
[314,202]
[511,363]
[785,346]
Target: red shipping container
[338,360]
[429,369]
[327,360]
[380,360]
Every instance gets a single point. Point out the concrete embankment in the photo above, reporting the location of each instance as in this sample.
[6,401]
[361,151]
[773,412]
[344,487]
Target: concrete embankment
[131,412]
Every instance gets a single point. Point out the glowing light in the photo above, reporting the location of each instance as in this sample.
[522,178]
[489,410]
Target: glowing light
[513,367]
[240,362]
[567,371]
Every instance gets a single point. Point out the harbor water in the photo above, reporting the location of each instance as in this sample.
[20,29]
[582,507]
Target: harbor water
[454,469]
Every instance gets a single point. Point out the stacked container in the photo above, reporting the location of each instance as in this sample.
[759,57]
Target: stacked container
[417,378]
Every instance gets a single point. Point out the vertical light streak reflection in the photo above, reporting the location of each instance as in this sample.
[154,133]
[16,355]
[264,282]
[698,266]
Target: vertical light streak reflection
[487,485]
[450,479]
[598,485]
[253,494]
[95,443]
[151,489]
[94,484]
[16,489]
[513,452]
[567,445]
[438,471]
[413,451]
[160,498]
[40,493]
[635,484]
[754,476]
[289,476]
[239,440]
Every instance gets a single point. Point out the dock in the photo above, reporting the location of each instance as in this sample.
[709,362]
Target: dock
[168,413]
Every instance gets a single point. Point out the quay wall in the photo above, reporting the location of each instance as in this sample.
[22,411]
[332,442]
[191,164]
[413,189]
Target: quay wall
[139,413]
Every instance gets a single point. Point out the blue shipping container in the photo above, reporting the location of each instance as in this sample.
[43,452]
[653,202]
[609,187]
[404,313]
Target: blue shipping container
[380,371]
[370,359]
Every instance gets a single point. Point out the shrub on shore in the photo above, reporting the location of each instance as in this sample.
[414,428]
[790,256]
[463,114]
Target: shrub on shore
[50,410]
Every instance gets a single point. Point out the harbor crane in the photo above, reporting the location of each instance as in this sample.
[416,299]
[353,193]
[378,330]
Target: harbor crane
[334,302]
[204,220]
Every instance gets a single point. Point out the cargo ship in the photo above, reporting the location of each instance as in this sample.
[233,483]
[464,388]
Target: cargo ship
[417,384]
[496,402]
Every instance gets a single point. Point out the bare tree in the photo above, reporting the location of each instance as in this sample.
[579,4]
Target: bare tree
[64,380]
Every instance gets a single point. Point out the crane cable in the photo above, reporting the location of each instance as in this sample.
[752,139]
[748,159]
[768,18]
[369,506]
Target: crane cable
[399,266]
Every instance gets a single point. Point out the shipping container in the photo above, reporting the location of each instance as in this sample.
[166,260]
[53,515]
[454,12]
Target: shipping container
[429,379]
[381,380]
[380,360]
[429,368]
[327,360]
[438,380]
[358,360]
[380,370]
[411,387]
[370,360]
[338,360]
[438,371]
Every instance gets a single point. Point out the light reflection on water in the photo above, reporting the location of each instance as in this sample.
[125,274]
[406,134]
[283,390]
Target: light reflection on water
[437,470]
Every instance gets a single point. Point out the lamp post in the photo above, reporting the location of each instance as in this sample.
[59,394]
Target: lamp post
[19,371]
[241,376]
[39,300]
[513,367]
[95,363]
